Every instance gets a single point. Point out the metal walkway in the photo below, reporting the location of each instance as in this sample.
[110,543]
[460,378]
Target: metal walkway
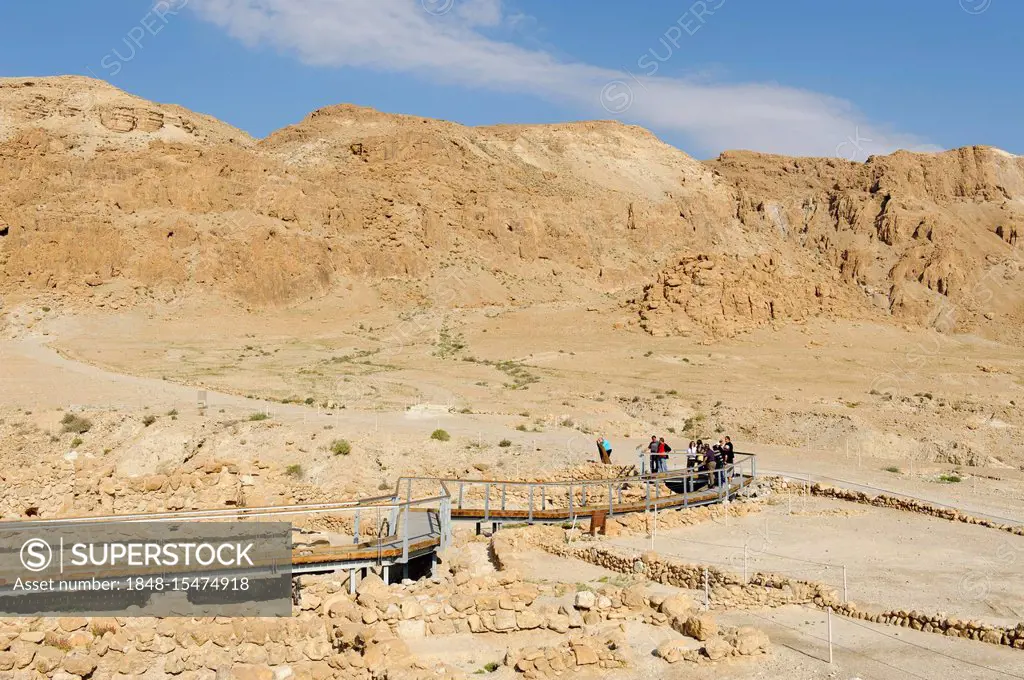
[416,520]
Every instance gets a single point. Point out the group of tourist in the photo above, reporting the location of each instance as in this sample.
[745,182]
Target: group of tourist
[710,459]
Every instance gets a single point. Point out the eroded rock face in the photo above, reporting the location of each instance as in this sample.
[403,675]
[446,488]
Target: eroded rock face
[123,119]
[168,201]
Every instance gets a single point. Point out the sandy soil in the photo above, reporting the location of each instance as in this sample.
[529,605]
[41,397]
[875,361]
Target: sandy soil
[890,556]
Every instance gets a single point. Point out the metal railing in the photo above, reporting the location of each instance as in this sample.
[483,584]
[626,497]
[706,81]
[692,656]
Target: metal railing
[488,500]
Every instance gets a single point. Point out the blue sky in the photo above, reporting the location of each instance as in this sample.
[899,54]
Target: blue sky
[799,77]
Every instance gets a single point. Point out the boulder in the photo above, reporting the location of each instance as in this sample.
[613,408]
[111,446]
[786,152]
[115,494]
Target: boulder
[585,599]
[749,641]
[585,654]
[717,648]
[699,626]
[372,586]
[678,607]
[79,663]
[528,620]
[676,650]
[635,597]
[504,620]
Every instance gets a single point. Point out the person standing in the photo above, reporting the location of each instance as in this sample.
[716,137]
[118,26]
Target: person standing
[604,449]
[652,448]
[730,456]
[663,450]
[710,464]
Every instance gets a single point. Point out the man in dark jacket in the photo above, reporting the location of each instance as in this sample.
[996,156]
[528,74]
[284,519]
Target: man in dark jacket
[653,448]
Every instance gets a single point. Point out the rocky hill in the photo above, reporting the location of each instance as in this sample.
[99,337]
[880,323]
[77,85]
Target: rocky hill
[107,192]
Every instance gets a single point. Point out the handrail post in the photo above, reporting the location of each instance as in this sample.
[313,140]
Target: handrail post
[543,498]
[405,536]
[571,513]
[530,515]
[503,489]
[355,530]
[487,501]
[461,487]
[408,490]
[583,496]
[611,507]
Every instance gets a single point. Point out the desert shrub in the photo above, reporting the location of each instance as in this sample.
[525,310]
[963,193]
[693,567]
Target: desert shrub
[76,442]
[891,468]
[505,443]
[310,401]
[294,470]
[521,427]
[950,479]
[149,420]
[51,639]
[440,435]
[100,628]
[173,412]
[259,415]
[75,424]
[341,447]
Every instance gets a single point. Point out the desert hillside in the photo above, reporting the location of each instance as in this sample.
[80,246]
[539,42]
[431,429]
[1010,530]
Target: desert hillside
[109,198]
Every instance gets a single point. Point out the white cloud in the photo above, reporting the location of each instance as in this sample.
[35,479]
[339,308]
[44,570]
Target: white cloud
[444,41]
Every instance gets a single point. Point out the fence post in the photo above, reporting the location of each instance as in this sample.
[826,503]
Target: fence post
[611,507]
[707,591]
[828,613]
[530,516]
[355,531]
[571,511]
[487,501]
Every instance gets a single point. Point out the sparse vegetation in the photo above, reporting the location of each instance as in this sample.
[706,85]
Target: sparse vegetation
[693,423]
[310,401]
[448,343]
[259,415]
[149,420]
[75,424]
[76,442]
[892,468]
[505,443]
[294,470]
[173,412]
[521,427]
[51,639]
[341,447]
[440,435]
[950,479]
[101,628]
